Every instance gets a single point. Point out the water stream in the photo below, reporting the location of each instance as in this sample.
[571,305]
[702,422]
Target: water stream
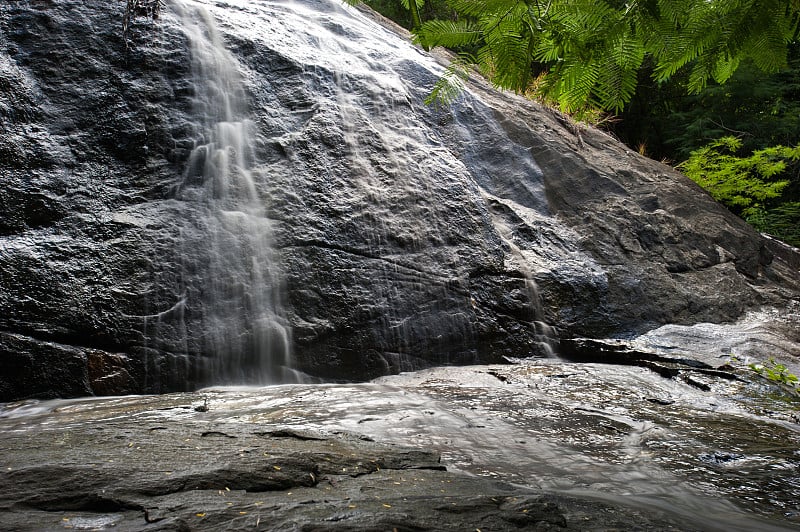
[240,283]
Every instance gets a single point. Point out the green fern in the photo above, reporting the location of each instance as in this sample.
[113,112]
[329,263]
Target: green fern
[592,51]
[483,8]
[716,35]
[451,84]
[448,33]
[742,183]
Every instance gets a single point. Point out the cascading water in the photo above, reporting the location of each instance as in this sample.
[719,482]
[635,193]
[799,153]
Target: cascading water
[395,187]
[424,312]
[544,334]
[245,335]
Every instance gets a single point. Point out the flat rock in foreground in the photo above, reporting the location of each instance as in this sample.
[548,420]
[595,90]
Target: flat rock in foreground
[160,465]
[552,446]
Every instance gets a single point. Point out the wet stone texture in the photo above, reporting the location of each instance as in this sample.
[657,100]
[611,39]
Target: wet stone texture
[406,236]
[544,446]
[177,470]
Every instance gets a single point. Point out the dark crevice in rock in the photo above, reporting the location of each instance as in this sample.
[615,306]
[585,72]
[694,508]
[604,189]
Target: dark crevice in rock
[617,352]
[691,381]
[86,502]
[286,433]
[216,434]
[63,336]
[498,376]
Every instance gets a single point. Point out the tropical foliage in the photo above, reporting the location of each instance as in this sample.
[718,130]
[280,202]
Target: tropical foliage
[743,183]
[590,53]
[400,10]
[749,185]
[763,109]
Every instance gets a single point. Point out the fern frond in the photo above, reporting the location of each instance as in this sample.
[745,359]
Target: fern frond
[627,52]
[741,182]
[447,33]
[582,16]
[510,63]
[674,12]
[451,84]
[576,81]
[547,50]
[595,48]
[616,85]
[724,68]
[482,8]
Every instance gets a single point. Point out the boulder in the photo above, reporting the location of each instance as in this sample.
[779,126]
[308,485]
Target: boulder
[392,235]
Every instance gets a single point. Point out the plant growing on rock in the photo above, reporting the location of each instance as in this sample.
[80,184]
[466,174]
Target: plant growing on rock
[774,372]
[777,372]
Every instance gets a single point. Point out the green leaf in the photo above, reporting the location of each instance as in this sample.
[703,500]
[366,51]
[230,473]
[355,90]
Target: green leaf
[451,84]
[448,33]
[740,182]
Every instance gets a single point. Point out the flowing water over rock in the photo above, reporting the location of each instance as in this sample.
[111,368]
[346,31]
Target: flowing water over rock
[227,259]
[573,446]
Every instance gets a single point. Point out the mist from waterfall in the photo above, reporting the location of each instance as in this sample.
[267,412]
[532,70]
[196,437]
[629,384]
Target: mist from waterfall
[245,335]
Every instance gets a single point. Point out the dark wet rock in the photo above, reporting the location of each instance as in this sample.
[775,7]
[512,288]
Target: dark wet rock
[540,446]
[155,464]
[623,352]
[407,235]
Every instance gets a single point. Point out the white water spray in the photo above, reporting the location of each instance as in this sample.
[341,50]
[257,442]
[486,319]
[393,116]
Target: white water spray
[244,331]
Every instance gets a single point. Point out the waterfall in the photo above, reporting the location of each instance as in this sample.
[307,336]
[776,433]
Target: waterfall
[544,334]
[229,250]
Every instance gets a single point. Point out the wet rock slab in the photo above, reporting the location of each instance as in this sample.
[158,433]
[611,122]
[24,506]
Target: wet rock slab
[546,446]
[158,464]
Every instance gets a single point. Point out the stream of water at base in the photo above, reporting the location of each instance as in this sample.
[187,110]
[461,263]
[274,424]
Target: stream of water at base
[622,435]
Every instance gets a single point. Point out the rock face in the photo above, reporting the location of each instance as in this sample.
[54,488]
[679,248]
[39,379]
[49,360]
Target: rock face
[403,235]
